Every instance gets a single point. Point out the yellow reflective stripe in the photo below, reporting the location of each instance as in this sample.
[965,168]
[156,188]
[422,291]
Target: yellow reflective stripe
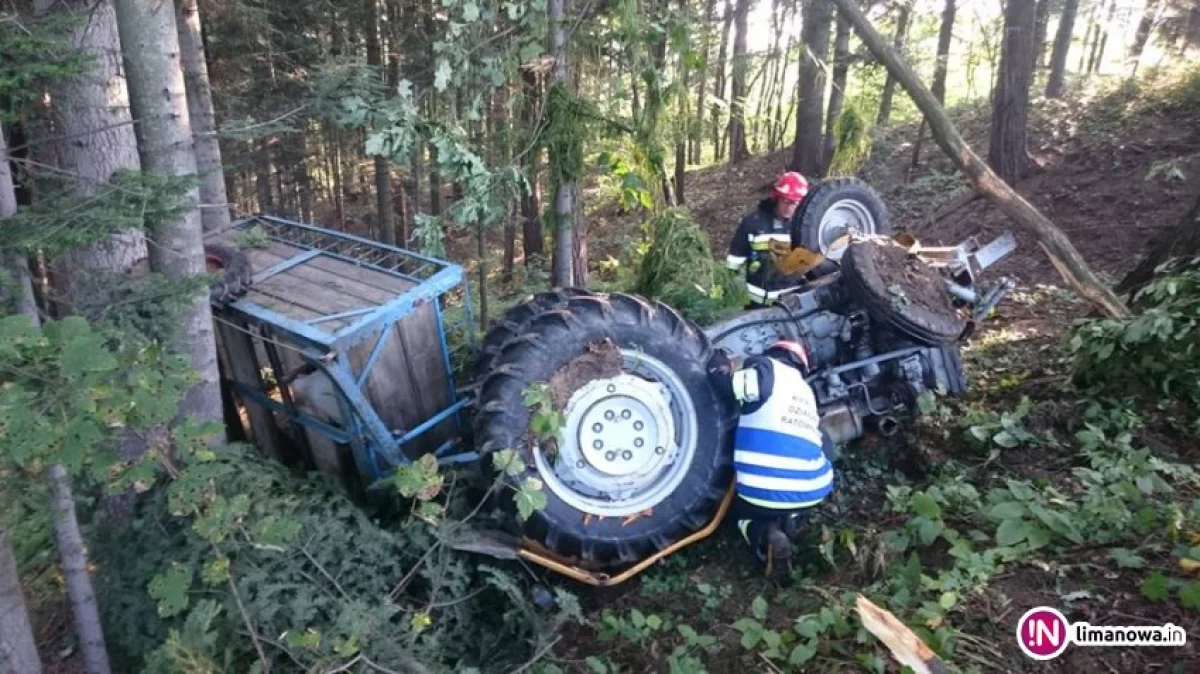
[760,245]
[781,236]
[774,505]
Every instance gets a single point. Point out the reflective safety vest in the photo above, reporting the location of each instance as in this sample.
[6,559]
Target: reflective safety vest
[777,447]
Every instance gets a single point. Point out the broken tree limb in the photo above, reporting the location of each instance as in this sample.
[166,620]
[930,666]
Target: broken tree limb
[1066,259]
[906,647]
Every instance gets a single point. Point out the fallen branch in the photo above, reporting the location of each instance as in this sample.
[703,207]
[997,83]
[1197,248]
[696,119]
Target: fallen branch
[905,646]
[1063,255]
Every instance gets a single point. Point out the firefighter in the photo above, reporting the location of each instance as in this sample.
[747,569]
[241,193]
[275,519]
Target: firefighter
[781,457]
[768,226]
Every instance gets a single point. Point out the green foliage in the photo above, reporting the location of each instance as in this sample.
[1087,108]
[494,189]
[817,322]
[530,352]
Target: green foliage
[60,221]
[675,264]
[1155,351]
[35,52]
[329,581]
[852,142]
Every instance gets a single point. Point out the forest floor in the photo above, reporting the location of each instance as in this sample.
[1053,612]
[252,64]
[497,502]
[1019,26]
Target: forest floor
[1110,172]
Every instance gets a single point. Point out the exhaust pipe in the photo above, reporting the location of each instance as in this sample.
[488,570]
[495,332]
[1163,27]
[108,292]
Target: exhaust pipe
[888,426]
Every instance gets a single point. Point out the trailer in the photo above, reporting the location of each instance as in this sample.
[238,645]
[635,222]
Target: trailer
[337,354]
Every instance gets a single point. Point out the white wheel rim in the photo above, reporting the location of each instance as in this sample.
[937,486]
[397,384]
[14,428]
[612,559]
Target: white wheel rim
[847,216]
[627,443]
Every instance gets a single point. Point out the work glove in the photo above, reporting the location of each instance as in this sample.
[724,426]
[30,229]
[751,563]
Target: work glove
[720,373]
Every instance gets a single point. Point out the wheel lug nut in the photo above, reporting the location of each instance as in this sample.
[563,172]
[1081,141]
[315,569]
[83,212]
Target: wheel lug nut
[659,450]
[612,388]
[609,415]
[627,455]
[638,442]
[597,444]
[637,425]
[625,414]
[597,427]
[611,456]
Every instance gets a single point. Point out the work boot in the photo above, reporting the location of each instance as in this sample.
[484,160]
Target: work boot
[779,556]
[791,526]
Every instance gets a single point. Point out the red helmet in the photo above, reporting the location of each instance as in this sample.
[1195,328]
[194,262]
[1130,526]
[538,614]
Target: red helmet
[791,186]
[791,352]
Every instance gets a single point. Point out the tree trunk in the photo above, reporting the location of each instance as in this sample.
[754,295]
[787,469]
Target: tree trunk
[1181,241]
[151,46]
[1151,16]
[1098,56]
[214,204]
[1040,22]
[945,35]
[73,555]
[1056,84]
[564,194]
[531,202]
[738,152]
[722,63]
[93,127]
[1087,38]
[1066,259]
[889,86]
[383,174]
[18,648]
[1007,153]
[837,92]
[810,110]
[21,300]
[696,125]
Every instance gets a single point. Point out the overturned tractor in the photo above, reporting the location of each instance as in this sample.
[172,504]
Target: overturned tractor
[642,463]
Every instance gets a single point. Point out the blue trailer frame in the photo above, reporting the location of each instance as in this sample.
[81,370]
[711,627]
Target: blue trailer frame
[377,450]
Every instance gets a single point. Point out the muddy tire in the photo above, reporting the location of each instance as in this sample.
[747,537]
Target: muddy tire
[833,206]
[926,324]
[668,460]
[234,271]
[513,321]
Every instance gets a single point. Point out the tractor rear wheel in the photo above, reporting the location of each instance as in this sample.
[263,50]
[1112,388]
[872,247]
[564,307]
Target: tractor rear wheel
[513,321]
[644,456]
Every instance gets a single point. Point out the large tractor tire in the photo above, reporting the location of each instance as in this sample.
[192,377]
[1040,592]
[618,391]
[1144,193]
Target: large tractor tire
[902,292]
[233,270]
[645,455]
[837,207]
[513,321]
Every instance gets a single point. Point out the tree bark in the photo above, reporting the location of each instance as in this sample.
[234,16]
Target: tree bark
[214,208]
[945,35]
[696,126]
[1183,240]
[22,300]
[722,63]
[738,152]
[18,647]
[1151,16]
[383,172]
[1066,259]
[150,42]
[531,201]
[1040,25]
[564,194]
[73,554]
[1098,56]
[837,92]
[810,109]
[95,132]
[1007,153]
[889,86]
[1056,84]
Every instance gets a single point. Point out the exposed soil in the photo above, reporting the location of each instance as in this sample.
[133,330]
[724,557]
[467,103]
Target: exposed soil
[602,360]
[910,279]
